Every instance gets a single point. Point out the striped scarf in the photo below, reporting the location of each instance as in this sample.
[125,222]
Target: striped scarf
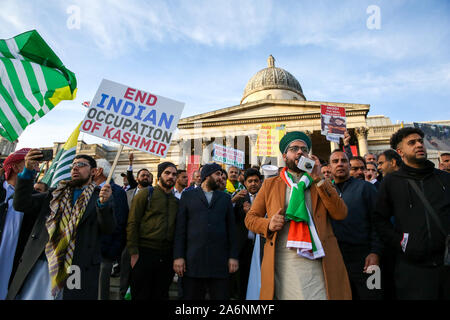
[302,231]
[62,227]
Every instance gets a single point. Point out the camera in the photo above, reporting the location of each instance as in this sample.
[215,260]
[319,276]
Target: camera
[306,164]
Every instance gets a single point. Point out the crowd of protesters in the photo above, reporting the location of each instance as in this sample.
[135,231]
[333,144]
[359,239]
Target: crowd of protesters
[371,227]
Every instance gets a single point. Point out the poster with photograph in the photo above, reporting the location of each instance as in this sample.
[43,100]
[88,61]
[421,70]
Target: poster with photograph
[333,122]
[437,137]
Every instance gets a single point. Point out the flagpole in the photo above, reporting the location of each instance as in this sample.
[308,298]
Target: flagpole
[113,167]
[119,151]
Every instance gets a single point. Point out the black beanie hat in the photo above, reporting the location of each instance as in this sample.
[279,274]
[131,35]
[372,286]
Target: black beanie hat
[208,169]
[163,166]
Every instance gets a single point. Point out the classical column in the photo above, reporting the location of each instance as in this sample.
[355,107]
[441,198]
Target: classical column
[182,145]
[229,141]
[253,157]
[361,135]
[206,150]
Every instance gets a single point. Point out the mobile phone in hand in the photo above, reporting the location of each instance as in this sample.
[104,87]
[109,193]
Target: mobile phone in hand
[47,155]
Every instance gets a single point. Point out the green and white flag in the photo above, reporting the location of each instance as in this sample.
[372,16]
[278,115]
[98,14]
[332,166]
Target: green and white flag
[60,168]
[33,80]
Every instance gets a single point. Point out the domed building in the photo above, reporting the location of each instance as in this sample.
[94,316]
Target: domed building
[273,98]
[272,83]
[272,103]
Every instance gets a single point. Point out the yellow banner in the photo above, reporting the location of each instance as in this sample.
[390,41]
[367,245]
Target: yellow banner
[269,136]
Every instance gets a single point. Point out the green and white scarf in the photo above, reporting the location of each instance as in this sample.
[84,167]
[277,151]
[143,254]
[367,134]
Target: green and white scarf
[302,231]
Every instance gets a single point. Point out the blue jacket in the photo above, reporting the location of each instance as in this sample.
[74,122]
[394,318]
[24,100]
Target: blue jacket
[205,234]
[113,244]
[357,229]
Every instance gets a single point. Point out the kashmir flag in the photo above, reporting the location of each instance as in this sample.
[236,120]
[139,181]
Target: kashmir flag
[60,170]
[33,80]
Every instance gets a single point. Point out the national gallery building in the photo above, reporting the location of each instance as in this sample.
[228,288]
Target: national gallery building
[272,96]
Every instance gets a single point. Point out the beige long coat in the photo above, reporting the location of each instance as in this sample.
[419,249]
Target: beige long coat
[326,203]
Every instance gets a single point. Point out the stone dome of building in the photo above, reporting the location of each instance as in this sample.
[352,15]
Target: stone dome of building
[272,83]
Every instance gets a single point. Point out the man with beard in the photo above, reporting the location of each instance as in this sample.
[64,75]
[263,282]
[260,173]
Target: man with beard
[130,181]
[359,244]
[418,197]
[144,179]
[388,162]
[180,184]
[65,240]
[244,237]
[205,240]
[150,232]
[358,167]
[299,206]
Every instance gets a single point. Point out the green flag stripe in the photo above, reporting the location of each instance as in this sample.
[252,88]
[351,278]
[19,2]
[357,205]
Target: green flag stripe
[13,48]
[34,87]
[22,114]
[63,166]
[25,88]
[56,180]
[42,84]
[32,81]
[21,86]
[49,76]
[60,166]
[30,74]
[11,112]
[11,131]
[5,50]
[66,154]
[60,174]
[54,79]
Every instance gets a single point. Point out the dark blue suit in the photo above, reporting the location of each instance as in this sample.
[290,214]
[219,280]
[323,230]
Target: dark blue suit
[205,238]
[113,244]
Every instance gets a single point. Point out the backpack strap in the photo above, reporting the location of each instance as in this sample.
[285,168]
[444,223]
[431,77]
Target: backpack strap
[428,207]
[150,193]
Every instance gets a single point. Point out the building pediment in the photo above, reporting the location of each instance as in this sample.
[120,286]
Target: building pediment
[268,111]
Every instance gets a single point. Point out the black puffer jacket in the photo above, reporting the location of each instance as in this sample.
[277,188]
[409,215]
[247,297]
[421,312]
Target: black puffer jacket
[426,243]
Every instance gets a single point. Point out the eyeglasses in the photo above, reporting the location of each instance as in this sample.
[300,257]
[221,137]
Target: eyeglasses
[78,165]
[296,148]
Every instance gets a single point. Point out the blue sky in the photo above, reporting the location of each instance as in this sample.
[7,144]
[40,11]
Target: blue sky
[204,52]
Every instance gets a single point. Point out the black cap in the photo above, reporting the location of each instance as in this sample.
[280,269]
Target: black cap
[163,166]
[208,169]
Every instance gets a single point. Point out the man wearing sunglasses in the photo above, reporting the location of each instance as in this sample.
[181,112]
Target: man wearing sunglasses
[62,257]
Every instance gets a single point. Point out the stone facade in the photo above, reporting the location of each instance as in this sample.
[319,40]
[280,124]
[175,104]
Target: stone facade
[272,96]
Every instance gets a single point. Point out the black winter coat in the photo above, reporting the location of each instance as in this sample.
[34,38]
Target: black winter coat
[87,256]
[205,235]
[426,244]
[113,244]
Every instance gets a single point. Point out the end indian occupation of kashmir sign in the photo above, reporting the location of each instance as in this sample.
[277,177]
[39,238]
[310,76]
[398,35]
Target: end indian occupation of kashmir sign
[133,118]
